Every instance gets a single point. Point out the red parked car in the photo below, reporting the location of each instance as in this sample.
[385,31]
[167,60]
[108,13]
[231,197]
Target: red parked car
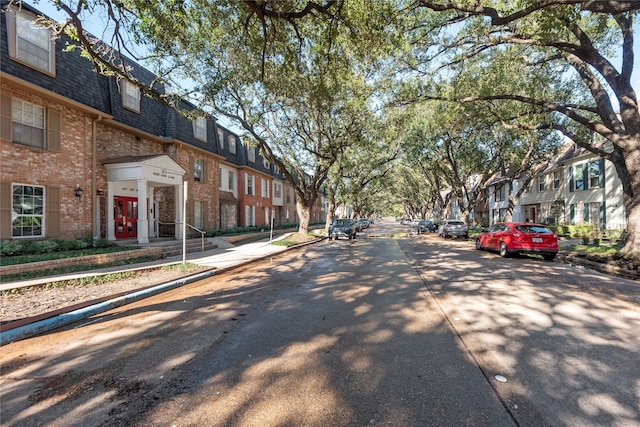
[510,238]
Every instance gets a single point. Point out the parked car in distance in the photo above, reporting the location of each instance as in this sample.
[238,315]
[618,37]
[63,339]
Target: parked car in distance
[425,226]
[365,222]
[343,227]
[453,228]
[510,238]
[414,223]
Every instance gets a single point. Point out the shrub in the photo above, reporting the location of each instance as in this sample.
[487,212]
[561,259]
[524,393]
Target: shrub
[45,246]
[11,247]
[585,239]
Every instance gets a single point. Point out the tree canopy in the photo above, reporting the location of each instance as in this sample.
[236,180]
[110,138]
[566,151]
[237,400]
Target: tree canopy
[534,66]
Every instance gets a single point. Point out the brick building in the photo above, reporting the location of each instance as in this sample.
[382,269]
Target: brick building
[85,154]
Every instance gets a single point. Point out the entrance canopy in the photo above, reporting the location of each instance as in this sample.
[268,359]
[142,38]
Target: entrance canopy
[154,168]
[137,176]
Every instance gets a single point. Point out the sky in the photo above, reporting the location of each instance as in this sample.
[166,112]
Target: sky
[96,25]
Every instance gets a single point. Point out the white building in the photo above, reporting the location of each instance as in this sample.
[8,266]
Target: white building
[578,187]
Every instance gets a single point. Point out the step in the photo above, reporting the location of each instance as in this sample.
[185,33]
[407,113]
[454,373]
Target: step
[176,249]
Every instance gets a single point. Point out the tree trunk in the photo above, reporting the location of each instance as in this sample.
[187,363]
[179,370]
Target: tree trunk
[330,213]
[304,213]
[632,201]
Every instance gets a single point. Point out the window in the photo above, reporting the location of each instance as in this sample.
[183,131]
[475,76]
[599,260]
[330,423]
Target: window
[594,173]
[276,170]
[231,181]
[27,211]
[198,170]
[30,43]
[541,186]
[220,178]
[499,193]
[198,215]
[572,213]
[200,129]
[266,163]
[130,96]
[232,144]
[277,190]
[28,124]
[265,188]
[556,180]
[251,154]
[221,139]
[250,212]
[249,185]
[579,178]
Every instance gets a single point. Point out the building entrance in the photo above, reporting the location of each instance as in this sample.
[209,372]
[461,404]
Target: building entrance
[125,214]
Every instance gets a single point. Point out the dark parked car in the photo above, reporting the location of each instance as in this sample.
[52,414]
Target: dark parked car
[425,226]
[343,227]
[453,228]
[519,237]
[365,223]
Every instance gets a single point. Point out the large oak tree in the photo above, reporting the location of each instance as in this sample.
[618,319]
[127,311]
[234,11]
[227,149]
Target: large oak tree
[571,46]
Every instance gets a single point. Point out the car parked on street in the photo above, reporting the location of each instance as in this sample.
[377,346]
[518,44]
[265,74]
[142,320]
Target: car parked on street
[425,226]
[365,223]
[453,228]
[343,227]
[510,238]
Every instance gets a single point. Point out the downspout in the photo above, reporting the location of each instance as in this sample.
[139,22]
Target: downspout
[94,192]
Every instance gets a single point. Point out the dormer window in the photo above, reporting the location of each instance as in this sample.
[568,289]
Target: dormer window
[30,43]
[200,129]
[232,144]
[130,96]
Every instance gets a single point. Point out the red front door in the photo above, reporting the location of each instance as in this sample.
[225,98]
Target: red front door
[126,216]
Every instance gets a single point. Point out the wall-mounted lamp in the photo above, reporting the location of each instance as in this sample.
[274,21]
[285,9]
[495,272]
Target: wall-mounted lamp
[78,192]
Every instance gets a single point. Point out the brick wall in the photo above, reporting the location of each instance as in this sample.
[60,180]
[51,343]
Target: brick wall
[64,169]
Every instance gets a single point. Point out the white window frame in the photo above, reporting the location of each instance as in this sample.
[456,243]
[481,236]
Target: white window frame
[221,139]
[232,144]
[249,185]
[579,172]
[29,43]
[200,129]
[198,215]
[277,190]
[251,154]
[596,177]
[265,188]
[130,96]
[17,212]
[231,180]
[198,170]
[542,186]
[29,124]
[557,177]
[250,215]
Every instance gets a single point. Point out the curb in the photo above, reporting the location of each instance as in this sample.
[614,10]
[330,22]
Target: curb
[63,319]
[92,308]
[599,267]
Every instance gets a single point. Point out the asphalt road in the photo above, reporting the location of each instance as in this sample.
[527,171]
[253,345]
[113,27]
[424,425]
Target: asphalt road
[410,332]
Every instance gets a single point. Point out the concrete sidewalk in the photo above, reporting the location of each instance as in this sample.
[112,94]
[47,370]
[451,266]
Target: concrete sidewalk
[225,256]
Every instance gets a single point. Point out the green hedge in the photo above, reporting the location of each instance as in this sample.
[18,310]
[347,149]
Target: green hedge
[34,247]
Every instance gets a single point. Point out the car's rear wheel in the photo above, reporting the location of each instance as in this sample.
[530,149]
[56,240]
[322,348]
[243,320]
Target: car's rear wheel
[478,245]
[504,251]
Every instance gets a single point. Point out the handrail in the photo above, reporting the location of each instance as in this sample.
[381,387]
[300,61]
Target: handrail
[202,233]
